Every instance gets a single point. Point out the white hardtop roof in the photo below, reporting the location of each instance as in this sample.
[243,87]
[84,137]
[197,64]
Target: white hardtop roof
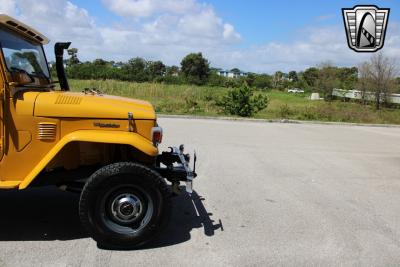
[23,29]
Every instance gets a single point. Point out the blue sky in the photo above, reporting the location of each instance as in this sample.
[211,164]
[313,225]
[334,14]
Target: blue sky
[261,36]
[264,21]
[259,22]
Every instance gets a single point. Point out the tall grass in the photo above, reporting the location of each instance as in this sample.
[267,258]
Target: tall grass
[201,100]
[177,99]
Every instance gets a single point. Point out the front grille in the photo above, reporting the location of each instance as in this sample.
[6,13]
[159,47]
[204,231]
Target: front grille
[46,131]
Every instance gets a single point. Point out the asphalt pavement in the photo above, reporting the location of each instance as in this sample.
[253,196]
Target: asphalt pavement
[267,194]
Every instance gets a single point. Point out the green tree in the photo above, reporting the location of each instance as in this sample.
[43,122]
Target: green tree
[100,62]
[235,71]
[277,79]
[73,59]
[172,70]
[327,80]
[310,75]
[293,76]
[136,70]
[348,77]
[262,81]
[301,83]
[216,80]
[249,79]
[195,68]
[156,69]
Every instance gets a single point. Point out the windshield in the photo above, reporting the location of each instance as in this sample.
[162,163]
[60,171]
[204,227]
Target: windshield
[23,55]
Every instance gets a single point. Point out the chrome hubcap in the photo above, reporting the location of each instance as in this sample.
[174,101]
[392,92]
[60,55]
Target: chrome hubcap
[125,208]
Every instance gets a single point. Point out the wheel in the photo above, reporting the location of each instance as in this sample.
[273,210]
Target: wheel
[124,205]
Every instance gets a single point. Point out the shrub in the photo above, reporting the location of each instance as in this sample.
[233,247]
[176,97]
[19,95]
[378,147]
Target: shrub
[308,113]
[216,80]
[191,101]
[233,82]
[243,102]
[285,111]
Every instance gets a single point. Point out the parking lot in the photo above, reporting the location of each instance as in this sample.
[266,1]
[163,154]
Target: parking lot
[267,194]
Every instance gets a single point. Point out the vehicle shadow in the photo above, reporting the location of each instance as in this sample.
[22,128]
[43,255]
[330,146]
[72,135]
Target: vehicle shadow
[46,213]
[188,213]
[36,214]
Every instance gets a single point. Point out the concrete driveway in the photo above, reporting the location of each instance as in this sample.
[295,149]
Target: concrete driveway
[267,194]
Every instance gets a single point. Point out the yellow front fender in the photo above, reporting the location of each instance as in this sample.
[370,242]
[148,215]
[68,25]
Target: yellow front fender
[110,137]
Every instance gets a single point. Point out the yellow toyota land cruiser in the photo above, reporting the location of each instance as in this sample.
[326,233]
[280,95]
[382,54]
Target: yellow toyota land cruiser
[103,147]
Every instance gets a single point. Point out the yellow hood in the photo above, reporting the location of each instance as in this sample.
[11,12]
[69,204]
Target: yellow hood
[80,105]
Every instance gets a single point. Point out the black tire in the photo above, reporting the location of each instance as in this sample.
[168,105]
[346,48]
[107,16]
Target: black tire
[124,189]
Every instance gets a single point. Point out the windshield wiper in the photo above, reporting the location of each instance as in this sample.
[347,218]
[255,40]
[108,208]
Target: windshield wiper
[40,75]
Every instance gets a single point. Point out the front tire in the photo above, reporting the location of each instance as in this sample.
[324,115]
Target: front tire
[124,205]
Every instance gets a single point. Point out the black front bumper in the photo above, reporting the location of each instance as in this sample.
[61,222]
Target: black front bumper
[174,166]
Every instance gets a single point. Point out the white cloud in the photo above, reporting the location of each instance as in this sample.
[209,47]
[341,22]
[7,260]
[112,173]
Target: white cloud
[176,21]
[170,32]
[8,7]
[176,26]
[147,8]
[325,17]
[229,32]
[58,19]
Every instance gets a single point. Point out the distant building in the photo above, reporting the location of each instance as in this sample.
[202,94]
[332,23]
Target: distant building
[118,65]
[230,74]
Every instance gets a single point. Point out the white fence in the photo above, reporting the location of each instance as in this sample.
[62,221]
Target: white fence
[358,95]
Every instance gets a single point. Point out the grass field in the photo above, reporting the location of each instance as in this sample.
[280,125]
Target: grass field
[201,100]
